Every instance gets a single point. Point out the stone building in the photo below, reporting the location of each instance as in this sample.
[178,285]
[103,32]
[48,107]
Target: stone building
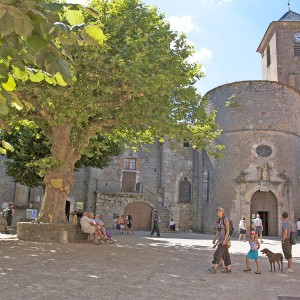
[259,172]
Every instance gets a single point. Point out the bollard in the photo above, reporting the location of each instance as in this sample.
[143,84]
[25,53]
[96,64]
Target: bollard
[63,237]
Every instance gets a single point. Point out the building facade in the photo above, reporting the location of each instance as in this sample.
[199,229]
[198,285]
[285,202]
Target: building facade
[259,172]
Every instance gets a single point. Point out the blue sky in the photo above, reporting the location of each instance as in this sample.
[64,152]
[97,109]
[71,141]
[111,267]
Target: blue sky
[225,33]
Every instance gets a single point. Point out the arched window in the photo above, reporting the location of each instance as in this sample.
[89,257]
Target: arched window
[205,184]
[185,191]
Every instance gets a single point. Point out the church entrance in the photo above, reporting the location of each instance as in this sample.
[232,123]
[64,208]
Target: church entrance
[141,215]
[265,204]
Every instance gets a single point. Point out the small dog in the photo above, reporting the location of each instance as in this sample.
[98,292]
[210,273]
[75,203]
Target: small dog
[273,257]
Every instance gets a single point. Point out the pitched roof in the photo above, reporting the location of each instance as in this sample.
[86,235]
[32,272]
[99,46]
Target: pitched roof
[290,16]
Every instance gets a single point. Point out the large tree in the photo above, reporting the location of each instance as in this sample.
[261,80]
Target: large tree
[29,151]
[139,85]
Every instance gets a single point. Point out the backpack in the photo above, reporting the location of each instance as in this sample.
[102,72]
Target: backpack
[5,213]
[293,240]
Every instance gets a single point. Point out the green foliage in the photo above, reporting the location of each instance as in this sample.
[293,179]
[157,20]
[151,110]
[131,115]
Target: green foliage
[35,37]
[29,153]
[232,101]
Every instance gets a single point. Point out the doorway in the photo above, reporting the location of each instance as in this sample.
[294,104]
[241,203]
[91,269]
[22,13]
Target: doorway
[68,206]
[141,215]
[265,204]
[264,218]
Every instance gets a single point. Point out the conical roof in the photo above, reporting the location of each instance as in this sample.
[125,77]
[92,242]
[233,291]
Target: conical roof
[290,16]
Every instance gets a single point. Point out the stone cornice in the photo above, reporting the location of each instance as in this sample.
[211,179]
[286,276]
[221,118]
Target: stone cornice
[272,28]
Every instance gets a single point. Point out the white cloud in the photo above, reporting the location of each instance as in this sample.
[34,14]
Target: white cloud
[182,24]
[201,56]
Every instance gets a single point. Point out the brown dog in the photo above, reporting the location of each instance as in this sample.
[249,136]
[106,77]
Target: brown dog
[273,257]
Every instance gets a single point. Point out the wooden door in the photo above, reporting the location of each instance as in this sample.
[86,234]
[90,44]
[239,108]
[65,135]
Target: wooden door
[129,182]
[141,215]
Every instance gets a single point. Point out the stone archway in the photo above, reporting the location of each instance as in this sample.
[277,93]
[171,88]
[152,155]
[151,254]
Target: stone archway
[265,203]
[141,215]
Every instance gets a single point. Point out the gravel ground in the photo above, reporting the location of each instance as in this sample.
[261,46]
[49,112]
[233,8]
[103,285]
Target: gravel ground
[139,267]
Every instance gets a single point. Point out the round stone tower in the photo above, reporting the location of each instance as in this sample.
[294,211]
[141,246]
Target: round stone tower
[259,172]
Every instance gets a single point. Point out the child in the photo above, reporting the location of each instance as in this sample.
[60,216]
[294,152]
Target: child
[253,252]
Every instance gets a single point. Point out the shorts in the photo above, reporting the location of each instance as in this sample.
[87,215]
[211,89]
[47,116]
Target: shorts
[253,254]
[129,225]
[118,226]
[89,229]
[122,226]
[298,232]
[242,231]
[258,230]
[287,249]
[8,220]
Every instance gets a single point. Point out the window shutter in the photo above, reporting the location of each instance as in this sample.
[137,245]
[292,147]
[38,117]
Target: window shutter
[138,164]
[121,163]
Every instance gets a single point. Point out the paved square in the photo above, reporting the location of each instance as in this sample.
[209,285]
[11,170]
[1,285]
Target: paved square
[138,267]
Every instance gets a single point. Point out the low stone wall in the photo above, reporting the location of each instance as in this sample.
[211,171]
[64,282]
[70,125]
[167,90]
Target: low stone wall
[49,232]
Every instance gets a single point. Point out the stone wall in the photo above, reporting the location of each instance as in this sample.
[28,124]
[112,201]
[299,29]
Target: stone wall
[266,113]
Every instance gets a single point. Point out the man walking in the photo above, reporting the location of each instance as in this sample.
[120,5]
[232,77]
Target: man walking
[258,226]
[287,227]
[156,220]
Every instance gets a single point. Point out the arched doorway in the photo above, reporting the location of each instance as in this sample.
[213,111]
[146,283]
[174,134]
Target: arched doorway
[265,204]
[141,215]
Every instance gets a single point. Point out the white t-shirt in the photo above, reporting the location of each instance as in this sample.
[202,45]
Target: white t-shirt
[298,225]
[257,222]
[85,223]
[242,224]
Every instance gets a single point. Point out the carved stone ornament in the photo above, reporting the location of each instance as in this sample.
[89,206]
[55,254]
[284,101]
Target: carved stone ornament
[264,150]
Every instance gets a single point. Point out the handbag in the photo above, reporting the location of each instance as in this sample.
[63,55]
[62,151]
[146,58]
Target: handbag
[293,238]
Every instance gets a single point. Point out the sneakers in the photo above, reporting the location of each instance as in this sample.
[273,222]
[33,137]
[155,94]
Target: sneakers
[287,270]
[212,270]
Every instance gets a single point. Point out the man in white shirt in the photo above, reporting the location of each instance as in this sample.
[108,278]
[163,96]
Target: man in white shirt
[88,226]
[258,226]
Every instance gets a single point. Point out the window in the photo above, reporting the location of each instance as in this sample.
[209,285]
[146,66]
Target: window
[186,144]
[205,184]
[185,191]
[297,50]
[268,56]
[129,164]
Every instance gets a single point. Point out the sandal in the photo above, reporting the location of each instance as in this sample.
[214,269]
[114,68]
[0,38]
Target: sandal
[226,271]
[258,272]
[247,270]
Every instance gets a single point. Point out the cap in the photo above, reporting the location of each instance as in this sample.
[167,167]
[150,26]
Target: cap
[220,209]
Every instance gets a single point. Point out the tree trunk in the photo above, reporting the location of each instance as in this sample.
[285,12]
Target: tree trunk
[58,181]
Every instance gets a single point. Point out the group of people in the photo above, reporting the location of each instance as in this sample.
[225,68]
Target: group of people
[221,258]
[92,224]
[123,224]
[257,227]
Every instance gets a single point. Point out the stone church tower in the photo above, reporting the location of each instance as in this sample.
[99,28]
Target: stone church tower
[261,128]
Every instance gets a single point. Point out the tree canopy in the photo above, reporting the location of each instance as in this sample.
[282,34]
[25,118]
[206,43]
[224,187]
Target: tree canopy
[27,161]
[137,85]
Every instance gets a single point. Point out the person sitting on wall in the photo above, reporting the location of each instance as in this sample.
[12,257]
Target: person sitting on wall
[172,225]
[88,226]
[106,234]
